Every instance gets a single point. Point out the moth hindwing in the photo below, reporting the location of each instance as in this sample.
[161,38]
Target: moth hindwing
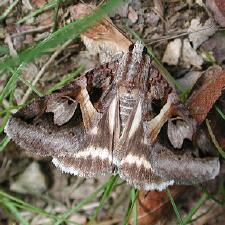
[122,117]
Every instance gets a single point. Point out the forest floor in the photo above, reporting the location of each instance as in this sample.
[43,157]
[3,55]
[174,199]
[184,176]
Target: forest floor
[188,39]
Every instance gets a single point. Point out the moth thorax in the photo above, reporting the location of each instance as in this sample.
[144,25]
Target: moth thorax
[126,105]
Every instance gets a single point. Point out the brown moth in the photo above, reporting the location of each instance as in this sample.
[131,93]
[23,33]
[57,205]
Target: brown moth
[120,118]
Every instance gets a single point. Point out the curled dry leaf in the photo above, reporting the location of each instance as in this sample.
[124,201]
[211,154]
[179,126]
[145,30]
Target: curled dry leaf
[198,33]
[177,132]
[172,53]
[218,9]
[103,38]
[205,92]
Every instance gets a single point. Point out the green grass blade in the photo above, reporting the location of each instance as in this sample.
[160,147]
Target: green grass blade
[10,84]
[110,184]
[10,108]
[176,210]
[33,88]
[134,194]
[15,212]
[9,9]
[58,3]
[4,121]
[215,142]
[4,143]
[46,7]
[7,115]
[131,207]
[195,208]
[211,196]
[23,205]
[220,112]
[202,214]
[62,35]
[3,50]
[85,201]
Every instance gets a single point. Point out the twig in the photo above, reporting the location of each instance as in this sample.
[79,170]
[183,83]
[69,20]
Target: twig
[41,72]
[214,211]
[165,38]
[12,50]
[34,30]
[31,86]
[174,207]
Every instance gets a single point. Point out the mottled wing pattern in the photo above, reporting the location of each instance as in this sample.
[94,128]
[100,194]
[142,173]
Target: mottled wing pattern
[183,167]
[110,120]
[95,158]
[36,128]
[134,152]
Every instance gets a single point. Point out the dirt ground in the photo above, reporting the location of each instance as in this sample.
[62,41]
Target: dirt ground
[188,37]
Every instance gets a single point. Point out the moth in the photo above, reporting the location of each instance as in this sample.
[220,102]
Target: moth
[120,118]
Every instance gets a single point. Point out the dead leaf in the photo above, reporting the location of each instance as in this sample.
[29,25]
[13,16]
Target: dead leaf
[190,56]
[158,6]
[198,33]
[132,15]
[218,9]
[31,181]
[27,4]
[189,79]
[154,207]
[216,45]
[172,53]
[39,3]
[205,92]
[103,38]
[215,211]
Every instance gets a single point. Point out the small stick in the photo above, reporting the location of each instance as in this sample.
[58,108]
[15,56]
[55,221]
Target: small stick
[34,30]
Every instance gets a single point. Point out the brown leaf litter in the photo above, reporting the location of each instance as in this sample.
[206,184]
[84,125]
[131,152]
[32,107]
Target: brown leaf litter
[206,92]
[218,9]
[105,39]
